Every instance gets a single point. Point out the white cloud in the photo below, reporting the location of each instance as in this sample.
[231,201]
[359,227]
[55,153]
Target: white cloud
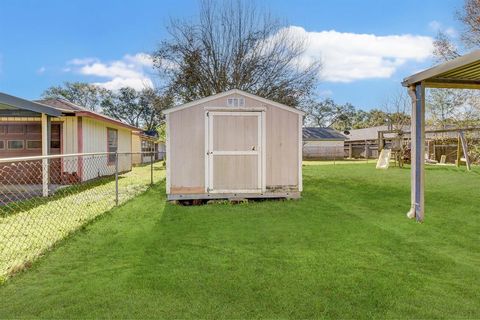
[348,57]
[41,70]
[140,59]
[118,82]
[436,26]
[130,71]
[82,61]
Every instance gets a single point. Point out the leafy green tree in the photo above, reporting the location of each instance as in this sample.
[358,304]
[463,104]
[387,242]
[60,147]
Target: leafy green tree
[83,94]
[142,109]
[344,119]
[376,117]
[461,107]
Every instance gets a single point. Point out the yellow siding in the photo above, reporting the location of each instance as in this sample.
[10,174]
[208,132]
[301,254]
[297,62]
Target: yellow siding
[70,143]
[70,137]
[136,147]
[95,140]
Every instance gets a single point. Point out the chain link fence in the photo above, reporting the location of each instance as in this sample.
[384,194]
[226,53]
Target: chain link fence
[44,199]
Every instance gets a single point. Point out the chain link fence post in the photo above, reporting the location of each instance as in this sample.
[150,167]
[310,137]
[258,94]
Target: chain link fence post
[151,168]
[116,178]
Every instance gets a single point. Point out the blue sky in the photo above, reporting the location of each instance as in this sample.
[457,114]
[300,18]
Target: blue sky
[367,46]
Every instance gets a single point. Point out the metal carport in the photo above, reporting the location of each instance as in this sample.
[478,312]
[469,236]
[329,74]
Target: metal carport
[460,73]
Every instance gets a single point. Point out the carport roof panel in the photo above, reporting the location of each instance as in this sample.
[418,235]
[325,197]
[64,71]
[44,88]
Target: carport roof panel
[19,103]
[462,72]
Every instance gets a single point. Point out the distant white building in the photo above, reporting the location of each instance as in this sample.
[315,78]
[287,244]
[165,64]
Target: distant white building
[322,144]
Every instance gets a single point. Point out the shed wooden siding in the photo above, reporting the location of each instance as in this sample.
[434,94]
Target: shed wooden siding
[187,145]
[94,135]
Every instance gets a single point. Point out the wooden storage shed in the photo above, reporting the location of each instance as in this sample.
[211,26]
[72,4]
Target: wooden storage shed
[233,145]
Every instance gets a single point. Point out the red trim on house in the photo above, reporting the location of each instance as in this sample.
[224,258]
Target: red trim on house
[100,117]
[80,146]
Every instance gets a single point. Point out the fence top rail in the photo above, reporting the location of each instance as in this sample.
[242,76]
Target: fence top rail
[56,156]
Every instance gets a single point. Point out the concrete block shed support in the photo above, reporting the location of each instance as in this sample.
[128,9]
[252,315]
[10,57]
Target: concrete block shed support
[417,209]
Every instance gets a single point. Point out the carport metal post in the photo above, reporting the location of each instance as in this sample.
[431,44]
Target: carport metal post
[46,129]
[417,94]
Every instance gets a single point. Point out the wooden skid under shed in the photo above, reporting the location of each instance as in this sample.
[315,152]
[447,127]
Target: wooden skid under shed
[206,196]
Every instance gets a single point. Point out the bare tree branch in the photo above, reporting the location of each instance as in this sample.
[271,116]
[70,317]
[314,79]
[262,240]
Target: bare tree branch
[233,45]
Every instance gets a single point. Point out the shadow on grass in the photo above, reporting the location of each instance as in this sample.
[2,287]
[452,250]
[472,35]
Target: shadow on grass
[15,206]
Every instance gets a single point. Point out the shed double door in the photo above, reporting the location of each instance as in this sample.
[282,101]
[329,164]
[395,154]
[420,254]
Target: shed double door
[235,161]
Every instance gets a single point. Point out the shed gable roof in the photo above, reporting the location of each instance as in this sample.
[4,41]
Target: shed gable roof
[227,93]
[318,134]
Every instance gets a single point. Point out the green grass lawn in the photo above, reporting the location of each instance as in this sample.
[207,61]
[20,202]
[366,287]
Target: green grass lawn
[28,228]
[346,250]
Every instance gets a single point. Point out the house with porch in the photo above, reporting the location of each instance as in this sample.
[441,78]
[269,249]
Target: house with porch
[145,145]
[54,127]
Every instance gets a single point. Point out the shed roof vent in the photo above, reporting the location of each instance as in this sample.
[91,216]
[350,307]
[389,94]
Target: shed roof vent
[236,102]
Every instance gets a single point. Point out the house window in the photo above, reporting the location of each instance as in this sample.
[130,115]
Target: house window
[15,144]
[236,102]
[2,129]
[112,144]
[34,144]
[147,146]
[2,144]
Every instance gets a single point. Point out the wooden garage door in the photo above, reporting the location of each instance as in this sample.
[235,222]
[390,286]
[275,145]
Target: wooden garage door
[234,152]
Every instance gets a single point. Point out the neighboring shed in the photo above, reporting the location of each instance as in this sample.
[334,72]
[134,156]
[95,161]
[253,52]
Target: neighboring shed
[322,144]
[233,145]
